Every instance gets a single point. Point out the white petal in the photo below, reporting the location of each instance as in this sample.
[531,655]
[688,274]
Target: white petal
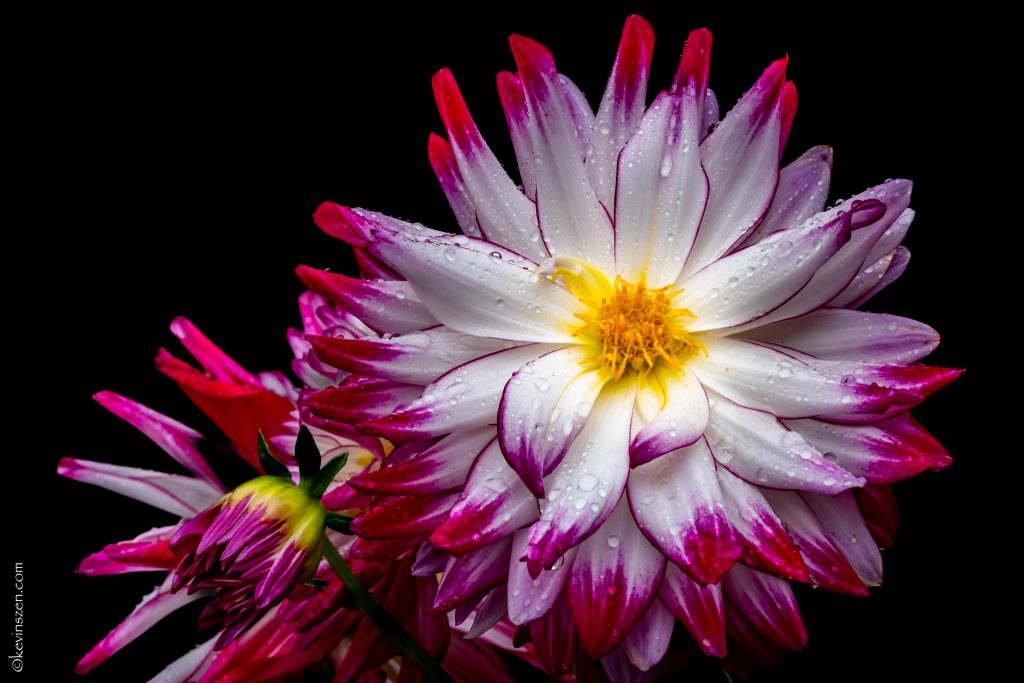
[754,281]
[758,448]
[661,192]
[480,288]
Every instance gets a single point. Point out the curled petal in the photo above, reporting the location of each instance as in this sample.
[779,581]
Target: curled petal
[151,610]
[543,408]
[673,410]
[647,643]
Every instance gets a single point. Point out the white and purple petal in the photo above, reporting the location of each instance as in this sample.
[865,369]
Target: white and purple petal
[614,578]
[585,488]
[677,503]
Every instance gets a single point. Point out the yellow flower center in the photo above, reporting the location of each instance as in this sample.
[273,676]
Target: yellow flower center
[631,326]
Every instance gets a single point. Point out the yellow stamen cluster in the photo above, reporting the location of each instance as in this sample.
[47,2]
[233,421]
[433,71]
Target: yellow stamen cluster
[633,326]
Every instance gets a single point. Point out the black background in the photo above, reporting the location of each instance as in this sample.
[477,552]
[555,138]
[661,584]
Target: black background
[171,165]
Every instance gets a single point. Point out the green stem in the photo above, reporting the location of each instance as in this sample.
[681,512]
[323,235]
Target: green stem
[384,621]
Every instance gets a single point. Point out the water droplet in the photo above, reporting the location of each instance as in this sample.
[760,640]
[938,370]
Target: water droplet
[613,541]
[666,166]
[587,482]
[449,254]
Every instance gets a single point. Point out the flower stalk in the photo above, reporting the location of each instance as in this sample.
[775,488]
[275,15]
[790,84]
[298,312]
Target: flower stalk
[430,667]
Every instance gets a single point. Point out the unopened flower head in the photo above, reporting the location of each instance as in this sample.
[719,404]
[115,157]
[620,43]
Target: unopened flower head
[253,546]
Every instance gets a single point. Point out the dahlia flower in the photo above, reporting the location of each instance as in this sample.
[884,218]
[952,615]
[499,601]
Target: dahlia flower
[276,626]
[637,388]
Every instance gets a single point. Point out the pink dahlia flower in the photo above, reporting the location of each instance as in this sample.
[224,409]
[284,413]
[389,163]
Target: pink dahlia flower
[637,388]
[245,569]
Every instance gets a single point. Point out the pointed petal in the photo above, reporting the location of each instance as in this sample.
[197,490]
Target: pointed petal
[766,379]
[871,214]
[464,398]
[881,515]
[882,452]
[236,401]
[177,494]
[756,447]
[765,543]
[677,503]
[647,643]
[151,610]
[803,189]
[177,440]
[469,661]
[825,563]
[846,529]
[403,516]
[384,306]
[478,288]
[440,467]
[543,408]
[359,398]
[661,191]
[529,597]
[873,279]
[504,214]
[752,282]
[614,578]
[446,168]
[698,607]
[584,489]
[572,221]
[413,358]
[768,604]
[493,504]
[673,407]
[554,636]
[472,574]
[622,107]
[147,552]
[741,158]
[517,115]
[840,334]
[619,669]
